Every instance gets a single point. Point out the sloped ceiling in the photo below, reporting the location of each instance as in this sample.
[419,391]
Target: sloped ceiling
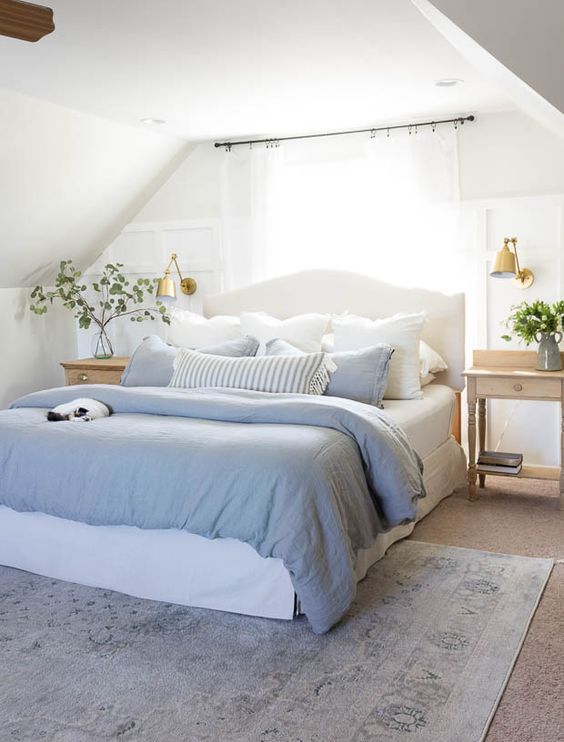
[225,68]
[69,182]
[516,43]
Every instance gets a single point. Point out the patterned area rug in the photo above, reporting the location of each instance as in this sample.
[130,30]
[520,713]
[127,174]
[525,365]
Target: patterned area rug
[423,656]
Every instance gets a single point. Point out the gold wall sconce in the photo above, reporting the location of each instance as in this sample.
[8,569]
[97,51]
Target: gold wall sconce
[166,287]
[506,265]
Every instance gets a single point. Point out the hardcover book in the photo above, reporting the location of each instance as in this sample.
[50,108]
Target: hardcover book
[500,458]
[497,469]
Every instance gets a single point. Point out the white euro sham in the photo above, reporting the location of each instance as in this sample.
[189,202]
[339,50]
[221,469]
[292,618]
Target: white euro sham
[190,330]
[401,331]
[304,331]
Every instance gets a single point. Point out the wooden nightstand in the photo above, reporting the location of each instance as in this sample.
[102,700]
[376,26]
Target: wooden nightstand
[510,374]
[94,371]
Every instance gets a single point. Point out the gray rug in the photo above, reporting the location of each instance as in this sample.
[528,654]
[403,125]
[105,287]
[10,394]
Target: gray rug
[423,655]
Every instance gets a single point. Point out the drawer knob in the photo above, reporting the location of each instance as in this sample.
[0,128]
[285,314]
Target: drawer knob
[517,387]
[83,377]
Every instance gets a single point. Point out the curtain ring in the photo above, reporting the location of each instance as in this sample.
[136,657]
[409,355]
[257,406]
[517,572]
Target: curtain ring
[409,130]
[372,134]
[387,133]
[228,147]
[433,127]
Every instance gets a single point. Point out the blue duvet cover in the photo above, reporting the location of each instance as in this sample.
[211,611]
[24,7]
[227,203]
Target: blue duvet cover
[310,480]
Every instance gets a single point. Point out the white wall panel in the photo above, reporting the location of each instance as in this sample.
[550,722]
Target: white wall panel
[145,250]
[525,426]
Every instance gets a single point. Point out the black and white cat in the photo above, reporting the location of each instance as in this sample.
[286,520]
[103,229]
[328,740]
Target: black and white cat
[79,410]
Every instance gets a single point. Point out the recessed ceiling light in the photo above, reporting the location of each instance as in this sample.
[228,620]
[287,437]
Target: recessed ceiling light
[448,82]
[153,122]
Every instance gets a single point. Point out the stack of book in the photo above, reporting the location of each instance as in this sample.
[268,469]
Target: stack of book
[498,462]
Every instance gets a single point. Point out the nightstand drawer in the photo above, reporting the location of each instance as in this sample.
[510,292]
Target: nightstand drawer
[92,376]
[514,388]
[94,370]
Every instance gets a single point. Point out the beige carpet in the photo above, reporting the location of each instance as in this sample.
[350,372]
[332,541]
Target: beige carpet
[518,517]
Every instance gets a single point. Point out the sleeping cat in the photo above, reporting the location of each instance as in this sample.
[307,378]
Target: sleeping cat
[79,410]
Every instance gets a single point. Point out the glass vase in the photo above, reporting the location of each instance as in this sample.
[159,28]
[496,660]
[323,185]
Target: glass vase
[101,344]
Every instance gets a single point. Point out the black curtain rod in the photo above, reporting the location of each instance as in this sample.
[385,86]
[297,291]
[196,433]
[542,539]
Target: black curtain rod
[372,130]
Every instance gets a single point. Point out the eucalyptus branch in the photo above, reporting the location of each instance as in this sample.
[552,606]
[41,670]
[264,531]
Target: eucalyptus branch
[114,294]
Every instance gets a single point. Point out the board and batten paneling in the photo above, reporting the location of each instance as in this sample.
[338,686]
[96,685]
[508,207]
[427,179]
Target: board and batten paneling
[145,248]
[523,426]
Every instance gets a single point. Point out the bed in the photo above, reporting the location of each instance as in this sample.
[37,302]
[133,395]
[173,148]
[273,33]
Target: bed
[224,573]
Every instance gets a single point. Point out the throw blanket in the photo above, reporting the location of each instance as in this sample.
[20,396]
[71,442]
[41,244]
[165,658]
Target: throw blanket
[311,480]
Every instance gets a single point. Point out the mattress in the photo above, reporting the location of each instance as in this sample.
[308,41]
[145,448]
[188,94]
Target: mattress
[427,422]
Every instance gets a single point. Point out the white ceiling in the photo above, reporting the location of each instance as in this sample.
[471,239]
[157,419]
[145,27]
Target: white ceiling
[232,68]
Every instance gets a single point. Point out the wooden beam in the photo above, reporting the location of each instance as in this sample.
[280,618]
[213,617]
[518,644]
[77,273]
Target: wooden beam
[25,21]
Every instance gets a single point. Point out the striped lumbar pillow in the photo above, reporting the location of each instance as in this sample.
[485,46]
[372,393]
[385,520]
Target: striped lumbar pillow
[308,374]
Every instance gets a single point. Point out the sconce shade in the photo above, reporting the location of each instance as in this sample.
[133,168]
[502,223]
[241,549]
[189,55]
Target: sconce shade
[504,265]
[166,289]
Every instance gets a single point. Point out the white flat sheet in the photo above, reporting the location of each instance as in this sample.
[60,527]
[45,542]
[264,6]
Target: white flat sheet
[427,422]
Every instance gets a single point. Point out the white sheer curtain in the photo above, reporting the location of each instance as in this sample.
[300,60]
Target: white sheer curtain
[383,206]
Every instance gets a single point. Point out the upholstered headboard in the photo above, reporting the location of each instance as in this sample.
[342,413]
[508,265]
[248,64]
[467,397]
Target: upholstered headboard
[338,291]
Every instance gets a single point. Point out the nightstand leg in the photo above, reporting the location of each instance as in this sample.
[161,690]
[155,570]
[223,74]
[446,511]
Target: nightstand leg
[472,494]
[482,434]
[562,449]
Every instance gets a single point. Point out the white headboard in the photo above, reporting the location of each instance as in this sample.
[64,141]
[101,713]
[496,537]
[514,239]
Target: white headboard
[338,291]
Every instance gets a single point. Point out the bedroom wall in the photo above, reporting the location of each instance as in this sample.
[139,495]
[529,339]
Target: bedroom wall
[512,175]
[69,182]
[502,154]
[31,346]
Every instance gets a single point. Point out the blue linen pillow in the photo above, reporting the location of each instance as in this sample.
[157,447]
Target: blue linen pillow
[361,374]
[152,363]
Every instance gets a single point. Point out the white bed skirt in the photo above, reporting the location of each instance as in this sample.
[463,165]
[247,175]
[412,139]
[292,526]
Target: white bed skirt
[179,567]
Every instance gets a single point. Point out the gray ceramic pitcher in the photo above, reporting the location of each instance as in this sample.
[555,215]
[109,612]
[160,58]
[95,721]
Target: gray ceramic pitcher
[548,354]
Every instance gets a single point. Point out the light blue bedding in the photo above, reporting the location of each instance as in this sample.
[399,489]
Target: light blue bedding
[308,479]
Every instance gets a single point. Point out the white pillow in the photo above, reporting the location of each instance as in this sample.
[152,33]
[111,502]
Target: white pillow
[304,331]
[191,330]
[427,379]
[328,342]
[402,332]
[430,361]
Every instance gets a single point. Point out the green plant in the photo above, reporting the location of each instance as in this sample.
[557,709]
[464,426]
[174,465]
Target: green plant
[113,297]
[527,320]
